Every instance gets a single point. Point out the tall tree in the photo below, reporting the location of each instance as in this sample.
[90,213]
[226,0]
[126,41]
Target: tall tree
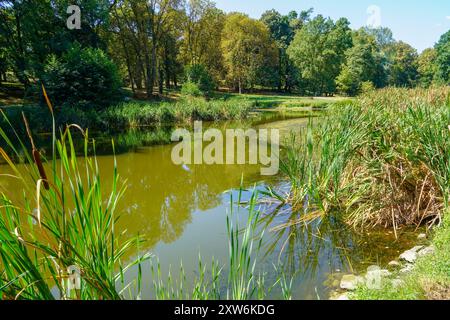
[247,47]
[360,65]
[318,50]
[35,29]
[282,30]
[427,67]
[202,31]
[383,36]
[443,58]
[403,64]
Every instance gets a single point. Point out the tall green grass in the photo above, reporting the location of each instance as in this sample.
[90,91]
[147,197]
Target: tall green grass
[132,114]
[239,278]
[383,159]
[66,220]
[135,114]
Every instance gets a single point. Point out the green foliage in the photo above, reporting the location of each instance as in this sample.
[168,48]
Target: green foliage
[247,48]
[382,35]
[427,67]
[360,66]
[83,77]
[137,114]
[443,58]
[34,30]
[376,160]
[73,225]
[403,65]
[191,89]
[318,52]
[198,75]
[282,30]
[367,87]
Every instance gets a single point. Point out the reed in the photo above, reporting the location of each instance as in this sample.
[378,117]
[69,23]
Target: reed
[65,222]
[383,159]
[137,114]
[239,278]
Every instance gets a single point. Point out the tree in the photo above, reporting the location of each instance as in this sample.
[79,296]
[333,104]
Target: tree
[247,47]
[318,51]
[359,66]
[199,75]
[364,64]
[443,58]
[282,30]
[383,36]
[427,67]
[83,77]
[202,31]
[403,64]
[32,30]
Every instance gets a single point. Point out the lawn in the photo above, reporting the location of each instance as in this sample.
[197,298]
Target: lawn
[285,101]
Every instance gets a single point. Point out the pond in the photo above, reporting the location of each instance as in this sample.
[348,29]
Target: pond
[181,212]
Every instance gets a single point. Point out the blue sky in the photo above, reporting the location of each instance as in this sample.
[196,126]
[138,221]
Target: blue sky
[417,22]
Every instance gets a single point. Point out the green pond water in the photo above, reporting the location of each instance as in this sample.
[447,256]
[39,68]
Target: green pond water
[181,212]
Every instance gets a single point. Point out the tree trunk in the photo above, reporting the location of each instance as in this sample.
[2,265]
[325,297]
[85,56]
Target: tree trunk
[127,59]
[168,80]
[153,69]
[161,81]
[280,71]
[149,74]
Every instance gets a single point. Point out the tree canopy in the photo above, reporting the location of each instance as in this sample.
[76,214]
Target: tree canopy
[152,42]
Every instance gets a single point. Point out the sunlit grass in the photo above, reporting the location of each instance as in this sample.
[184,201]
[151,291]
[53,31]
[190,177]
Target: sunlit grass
[381,160]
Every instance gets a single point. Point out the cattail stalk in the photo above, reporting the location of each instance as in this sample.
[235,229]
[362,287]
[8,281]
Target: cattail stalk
[36,155]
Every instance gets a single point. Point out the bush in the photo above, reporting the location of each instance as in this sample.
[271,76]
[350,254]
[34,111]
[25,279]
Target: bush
[367,87]
[198,75]
[83,77]
[191,89]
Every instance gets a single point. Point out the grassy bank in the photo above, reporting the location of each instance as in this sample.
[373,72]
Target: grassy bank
[285,101]
[132,114]
[382,160]
[429,280]
[136,114]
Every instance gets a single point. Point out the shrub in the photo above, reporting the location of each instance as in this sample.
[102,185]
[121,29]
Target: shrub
[83,77]
[198,75]
[191,89]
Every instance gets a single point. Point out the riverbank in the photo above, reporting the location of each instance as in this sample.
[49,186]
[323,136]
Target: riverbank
[132,114]
[172,110]
[420,273]
[382,160]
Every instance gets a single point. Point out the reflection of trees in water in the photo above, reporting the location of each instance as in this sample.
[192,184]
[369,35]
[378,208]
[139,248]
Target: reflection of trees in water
[161,197]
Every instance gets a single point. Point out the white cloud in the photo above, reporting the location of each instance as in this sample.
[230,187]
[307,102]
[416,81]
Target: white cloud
[447,17]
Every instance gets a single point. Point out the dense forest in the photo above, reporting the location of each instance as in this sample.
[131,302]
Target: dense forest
[156,45]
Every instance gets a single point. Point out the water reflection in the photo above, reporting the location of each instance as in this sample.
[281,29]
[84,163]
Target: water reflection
[181,211]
